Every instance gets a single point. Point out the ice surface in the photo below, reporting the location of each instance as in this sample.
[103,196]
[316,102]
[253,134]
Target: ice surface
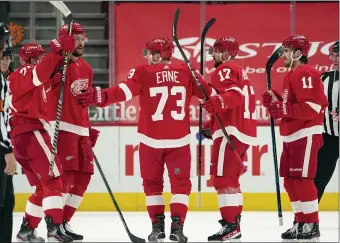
[255,226]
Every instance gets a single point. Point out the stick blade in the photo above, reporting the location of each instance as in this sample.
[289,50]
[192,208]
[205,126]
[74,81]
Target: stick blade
[136,239]
[60,5]
[276,55]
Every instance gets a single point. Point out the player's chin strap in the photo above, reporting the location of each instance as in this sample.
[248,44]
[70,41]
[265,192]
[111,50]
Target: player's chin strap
[155,62]
[222,58]
[293,59]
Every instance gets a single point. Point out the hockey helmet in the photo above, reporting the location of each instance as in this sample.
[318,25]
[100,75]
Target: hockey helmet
[228,44]
[297,42]
[161,45]
[77,29]
[31,50]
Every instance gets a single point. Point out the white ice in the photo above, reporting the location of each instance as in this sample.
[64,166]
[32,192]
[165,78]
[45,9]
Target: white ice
[255,226]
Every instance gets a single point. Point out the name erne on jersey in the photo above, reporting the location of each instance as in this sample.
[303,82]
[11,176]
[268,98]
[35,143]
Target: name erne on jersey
[167,76]
[192,49]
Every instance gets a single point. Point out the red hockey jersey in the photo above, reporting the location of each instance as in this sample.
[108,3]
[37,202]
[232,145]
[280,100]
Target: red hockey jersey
[165,92]
[74,118]
[27,96]
[230,80]
[303,88]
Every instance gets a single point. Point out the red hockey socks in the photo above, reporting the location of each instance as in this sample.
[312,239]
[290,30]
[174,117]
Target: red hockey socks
[240,200]
[75,196]
[294,199]
[308,195]
[53,202]
[179,206]
[34,211]
[228,202]
[155,205]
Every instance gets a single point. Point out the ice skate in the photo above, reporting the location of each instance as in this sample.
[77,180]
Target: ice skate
[291,234]
[157,234]
[26,234]
[229,232]
[55,232]
[310,233]
[176,233]
[75,237]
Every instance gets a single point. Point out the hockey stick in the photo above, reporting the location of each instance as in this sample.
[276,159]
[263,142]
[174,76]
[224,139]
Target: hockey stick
[200,118]
[132,237]
[175,37]
[276,55]
[67,13]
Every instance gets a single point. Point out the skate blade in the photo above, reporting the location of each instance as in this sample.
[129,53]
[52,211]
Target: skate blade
[286,240]
[312,240]
[235,240]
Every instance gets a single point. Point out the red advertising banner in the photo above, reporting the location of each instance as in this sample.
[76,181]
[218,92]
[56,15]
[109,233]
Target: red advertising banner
[259,29]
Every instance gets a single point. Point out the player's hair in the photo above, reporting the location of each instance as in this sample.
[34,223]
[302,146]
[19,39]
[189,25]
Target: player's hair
[304,59]
[164,58]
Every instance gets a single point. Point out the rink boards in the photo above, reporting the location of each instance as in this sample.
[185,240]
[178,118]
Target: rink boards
[117,152]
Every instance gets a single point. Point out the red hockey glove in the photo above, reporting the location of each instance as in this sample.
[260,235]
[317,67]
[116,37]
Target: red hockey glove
[94,134]
[214,104]
[270,96]
[278,109]
[266,99]
[63,44]
[92,96]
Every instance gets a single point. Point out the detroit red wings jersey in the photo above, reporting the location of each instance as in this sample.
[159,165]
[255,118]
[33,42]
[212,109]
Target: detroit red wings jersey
[239,119]
[165,92]
[303,88]
[28,100]
[74,118]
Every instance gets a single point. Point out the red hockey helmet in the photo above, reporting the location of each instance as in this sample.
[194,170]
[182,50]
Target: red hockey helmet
[226,44]
[297,42]
[77,29]
[164,46]
[31,50]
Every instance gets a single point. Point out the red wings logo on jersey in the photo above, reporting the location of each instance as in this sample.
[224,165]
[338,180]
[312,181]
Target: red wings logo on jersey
[78,85]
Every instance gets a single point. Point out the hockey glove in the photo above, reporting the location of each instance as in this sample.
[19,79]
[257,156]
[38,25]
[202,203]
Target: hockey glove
[215,104]
[94,134]
[63,44]
[270,96]
[91,96]
[278,109]
[206,131]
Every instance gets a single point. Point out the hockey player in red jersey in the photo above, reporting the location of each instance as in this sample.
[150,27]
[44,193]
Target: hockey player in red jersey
[75,138]
[31,141]
[235,105]
[300,109]
[164,91]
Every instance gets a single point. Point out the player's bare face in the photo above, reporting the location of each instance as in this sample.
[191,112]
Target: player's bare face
[216,55]
[80,43]
[4,63]
[151,59]
[334,56]
[287,57]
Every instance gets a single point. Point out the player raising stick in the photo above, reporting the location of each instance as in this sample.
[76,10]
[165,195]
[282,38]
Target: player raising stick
[75,138]
[235,105]
[164,91]
[31,140]
[301,109]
